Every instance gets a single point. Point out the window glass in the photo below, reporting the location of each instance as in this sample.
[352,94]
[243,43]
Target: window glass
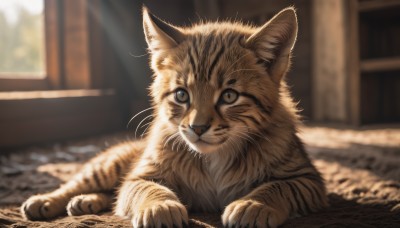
[22,52]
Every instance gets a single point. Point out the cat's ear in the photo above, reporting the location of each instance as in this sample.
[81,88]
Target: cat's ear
[273,42]
[159,34]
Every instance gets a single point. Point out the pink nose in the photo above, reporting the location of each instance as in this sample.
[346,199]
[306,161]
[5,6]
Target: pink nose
[199,129]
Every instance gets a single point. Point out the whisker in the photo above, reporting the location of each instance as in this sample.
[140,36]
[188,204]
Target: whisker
[174,142]
[181,143]
[149,116]
[145,130]
[137,56]
[241,57]
[144,125]
[170,138]
[137,114]
[238,71]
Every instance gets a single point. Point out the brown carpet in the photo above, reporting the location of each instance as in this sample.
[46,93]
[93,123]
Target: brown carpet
[361,168]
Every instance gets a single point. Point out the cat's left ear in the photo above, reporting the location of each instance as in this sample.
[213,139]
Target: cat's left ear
[274,41]
[159,34]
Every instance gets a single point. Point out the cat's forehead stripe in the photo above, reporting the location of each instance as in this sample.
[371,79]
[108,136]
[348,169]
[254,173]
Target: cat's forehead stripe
[181,81]
[215,61]
[220,77]
[205,51]
[208,59]
[231,82]
[192,62]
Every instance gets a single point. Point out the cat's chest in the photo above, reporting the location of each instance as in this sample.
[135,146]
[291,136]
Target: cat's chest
[210,187]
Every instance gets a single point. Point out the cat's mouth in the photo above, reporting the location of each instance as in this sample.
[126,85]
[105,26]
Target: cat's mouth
[203,146]
[201,141]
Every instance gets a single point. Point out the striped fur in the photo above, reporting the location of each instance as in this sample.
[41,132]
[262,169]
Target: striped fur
[225,143]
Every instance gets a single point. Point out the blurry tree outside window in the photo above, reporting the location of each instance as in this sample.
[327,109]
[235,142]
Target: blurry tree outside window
[22,41]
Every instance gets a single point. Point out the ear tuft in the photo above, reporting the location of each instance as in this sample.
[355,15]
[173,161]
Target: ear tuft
[274,41]
[159,34]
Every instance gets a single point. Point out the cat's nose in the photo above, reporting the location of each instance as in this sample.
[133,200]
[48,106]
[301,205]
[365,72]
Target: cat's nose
[199,129]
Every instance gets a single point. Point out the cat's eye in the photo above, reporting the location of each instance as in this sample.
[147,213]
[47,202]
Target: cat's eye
[229,96]
[181,96]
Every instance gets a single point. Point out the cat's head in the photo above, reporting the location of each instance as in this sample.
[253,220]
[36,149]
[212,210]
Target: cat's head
[216,85]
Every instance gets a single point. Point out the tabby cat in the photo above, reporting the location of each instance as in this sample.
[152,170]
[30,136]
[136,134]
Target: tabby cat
[223,137]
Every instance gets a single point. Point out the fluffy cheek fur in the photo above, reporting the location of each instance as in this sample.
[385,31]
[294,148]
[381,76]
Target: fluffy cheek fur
[244,121]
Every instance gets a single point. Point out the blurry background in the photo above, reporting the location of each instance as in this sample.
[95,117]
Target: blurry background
[79,67]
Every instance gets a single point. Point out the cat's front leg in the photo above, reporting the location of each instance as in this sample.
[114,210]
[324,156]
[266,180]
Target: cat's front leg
[271,204]
[149,204]
[101,174]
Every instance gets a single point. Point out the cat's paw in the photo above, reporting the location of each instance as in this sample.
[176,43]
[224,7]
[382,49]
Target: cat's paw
[164,214]
[86,204]
[249,213]
[41,207]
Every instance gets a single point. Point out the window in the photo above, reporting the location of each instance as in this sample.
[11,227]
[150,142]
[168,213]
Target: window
[62,42]
[62,91]
[22,39]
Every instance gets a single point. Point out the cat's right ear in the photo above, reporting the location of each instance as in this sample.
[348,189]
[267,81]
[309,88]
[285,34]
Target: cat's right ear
[273,42]
[159,34]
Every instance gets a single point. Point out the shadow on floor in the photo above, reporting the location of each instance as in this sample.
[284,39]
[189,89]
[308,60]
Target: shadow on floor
[350,213]
[383,161]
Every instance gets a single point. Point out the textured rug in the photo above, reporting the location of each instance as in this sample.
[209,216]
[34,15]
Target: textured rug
[361,168]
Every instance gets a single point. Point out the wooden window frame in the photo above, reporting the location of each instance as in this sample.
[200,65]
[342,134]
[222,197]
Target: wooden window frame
[51,78]
[75,98]
[68,53]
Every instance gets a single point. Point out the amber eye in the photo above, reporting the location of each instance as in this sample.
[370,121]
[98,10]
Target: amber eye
[181,96]
[229,96]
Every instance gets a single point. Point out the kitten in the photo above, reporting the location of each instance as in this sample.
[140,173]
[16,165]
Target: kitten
[223,137]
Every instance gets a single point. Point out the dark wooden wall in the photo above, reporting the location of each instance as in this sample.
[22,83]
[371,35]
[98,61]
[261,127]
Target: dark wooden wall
[356,61]
[380,58]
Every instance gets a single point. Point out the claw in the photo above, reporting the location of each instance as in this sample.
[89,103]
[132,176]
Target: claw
[27,214]
[90,208]
[41,212]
